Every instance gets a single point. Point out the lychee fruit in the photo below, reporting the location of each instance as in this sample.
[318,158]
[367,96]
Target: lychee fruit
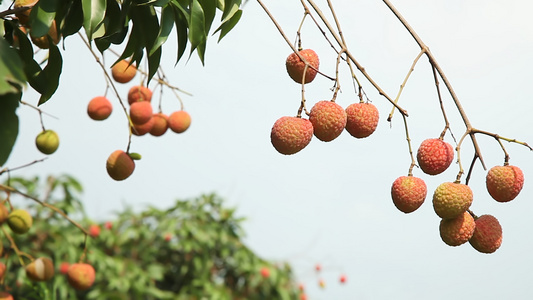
[41,269]
[24,16]
[94,230]
[4,213]
[63,267]
[295,66]
[408,193]
[362,119]
[142,129]
[318,267]
[488,234]
[139,93]
[123,72]
[179,121]
[504,183]
[434,156]
[81,276]
[451,199]
[141,112]
[20,221]
[160,125]
[342,279]
[108,225]
[119,165]
[265,272]
[289,135]
[99,108]
[328,119]
[47,141]
[3,268]
[457,231]
[322,283]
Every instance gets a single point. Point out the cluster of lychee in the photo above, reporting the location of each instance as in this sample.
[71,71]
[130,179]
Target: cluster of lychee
[144,120]
[327,119]
[79,275]
[23,17]
[452,200]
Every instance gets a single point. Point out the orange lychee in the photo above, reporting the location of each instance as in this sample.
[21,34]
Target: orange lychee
[119,165]
[160,125]
[81,276]
[139,93]
[265,272]
[179,121]
[99,108]
[457,231]
[362,119]
[141,112]
[123,71]
[504,183]
[142,129]
[488,235]
[408,193]
[289,135]
[94,230]
[295,66]
[328,119]
[451,199]
[434,156]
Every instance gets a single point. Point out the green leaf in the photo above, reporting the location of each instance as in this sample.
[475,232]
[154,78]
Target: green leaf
[51,72]
[9,127]
[210,8]
[182,31]
[167,23]
[93,15]
[153,63]
[197,33]
[73,19]
[230,8]
[41,17]
[12,77]
[229,24]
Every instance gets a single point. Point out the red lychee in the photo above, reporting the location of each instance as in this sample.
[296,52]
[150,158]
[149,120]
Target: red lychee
[451,199]
[139,93]
[295,66]
[289,135]
[504,183]
[81,276]
[99,108]
[94,230]
[120,165]
[179,121]
[434,156]
[342,279]
[142,129]
[265,272]
[457,231]
[141,112]
[328,119]
[362,119]
[108,225]
[160,124]
[488,234]
[63,267]
[408,193]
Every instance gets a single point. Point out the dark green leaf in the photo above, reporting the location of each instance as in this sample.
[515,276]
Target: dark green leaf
[73,20]
[51,72]
[93,15]
[167,23]
[12,77]
[229,24]
[182,32]
[197,33]
[41,17]
[9,127]
[153,63]
[210,8]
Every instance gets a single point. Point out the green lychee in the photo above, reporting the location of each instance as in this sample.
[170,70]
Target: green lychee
[488,235]
[451,199]
[434,156]
[458,230]
[290,135]
[362,119]
[504,183]
[20,221]
[47,141]
[328,119]
[295,66]
[408,193]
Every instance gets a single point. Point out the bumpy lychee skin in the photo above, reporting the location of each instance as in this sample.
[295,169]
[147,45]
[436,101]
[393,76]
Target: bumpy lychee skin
[408,193]
[504,183]
[123,72]
[362,119]
[457,231]
[160,124]
[179,121]
[47,141]
[450,199]
[20,221]
[434,156]
[119,165]
[41,269]
[488,235]
[141,112]
[289,135]
[139,93]
[99,108]
[295,66]
[81,276]
[328,119]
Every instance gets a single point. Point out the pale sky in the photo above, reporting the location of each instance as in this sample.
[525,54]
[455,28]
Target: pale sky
[330,203]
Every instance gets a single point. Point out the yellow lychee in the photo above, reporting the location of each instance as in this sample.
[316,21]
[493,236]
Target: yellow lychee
[47,141]
[451,199]
[458,230]
[20,221]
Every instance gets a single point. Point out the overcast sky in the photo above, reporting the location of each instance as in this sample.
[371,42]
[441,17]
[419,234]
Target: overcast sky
[330,203]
